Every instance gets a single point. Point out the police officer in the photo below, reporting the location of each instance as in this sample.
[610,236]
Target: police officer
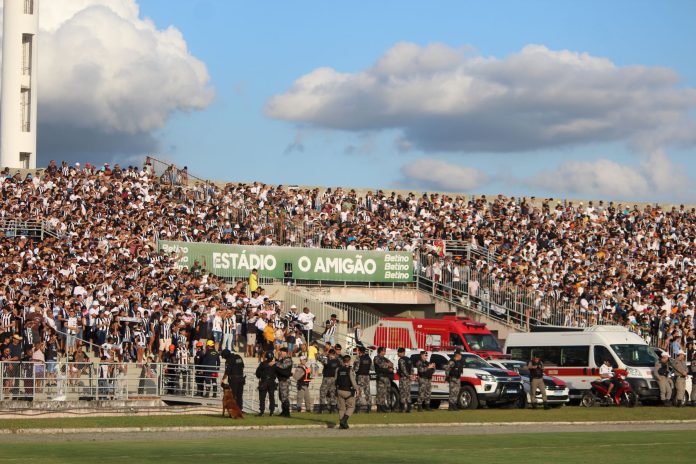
[327,391]
[303,377]
[385,374]
[266,374]
[284,372]
[199,371]
[691,354]
[536,381]
[453,372]
[346,390]
[362,372]
[680,371]
[425,371]
[211,364]
[234,370]
[662,372]
[404,367]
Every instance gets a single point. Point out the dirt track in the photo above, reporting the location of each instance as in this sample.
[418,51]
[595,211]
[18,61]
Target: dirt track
[356,431]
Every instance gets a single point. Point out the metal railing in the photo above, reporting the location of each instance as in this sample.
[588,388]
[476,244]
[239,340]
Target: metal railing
[348,315]
[35,228]
[503,301]
[75,381]
[113,381]
[169,173]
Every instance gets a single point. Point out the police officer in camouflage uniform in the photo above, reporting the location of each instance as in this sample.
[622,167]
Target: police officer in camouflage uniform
[347,389]
[663,370]
[680,372]
[362,372]
[327,391]
[404,369]
[425,375]
[536,381]
[453,371]
[283,368]
[385,374]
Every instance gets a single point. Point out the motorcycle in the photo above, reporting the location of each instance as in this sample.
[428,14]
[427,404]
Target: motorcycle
[622,395]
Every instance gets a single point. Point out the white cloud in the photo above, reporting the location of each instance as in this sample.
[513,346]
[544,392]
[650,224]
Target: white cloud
[105,72]
[446,99]
[437,175]
[655,175]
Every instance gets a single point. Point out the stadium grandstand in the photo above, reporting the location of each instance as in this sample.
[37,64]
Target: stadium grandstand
[129,267]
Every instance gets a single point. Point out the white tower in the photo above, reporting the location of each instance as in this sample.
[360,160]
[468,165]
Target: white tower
[19,72]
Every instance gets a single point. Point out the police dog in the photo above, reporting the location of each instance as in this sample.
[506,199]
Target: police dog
[229,404]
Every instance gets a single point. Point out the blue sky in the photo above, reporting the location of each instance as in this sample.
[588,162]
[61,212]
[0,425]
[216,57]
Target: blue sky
[254,51]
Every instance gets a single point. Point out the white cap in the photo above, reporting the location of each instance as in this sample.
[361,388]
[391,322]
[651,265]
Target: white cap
[664,354]
[293,307]
[681,352]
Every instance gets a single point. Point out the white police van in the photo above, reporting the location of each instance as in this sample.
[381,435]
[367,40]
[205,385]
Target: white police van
[481,383]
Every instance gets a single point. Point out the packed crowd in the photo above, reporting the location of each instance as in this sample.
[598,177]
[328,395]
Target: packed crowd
[102,280]
[581,265]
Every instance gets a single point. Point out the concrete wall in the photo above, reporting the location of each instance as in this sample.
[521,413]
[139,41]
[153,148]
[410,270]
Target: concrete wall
[393,302]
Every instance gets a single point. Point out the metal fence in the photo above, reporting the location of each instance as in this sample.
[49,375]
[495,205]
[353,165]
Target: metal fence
[508,303]
[66,381]
[13,227]
[169,173]
[98,381]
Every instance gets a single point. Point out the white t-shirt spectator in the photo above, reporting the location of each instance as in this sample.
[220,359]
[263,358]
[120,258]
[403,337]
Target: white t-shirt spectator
[307,320]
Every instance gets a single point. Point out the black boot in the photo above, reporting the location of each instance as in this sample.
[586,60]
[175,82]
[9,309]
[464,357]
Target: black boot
[260,414]
[321,409]
[419,407]
[546,406]
[344,422]
[408,407]
[452,407]
[368,408]
[426,407]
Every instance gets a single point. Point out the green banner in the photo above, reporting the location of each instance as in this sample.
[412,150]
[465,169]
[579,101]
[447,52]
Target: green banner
[296,263]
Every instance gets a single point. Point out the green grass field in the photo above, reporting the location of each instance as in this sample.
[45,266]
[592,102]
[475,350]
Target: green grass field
[634,447]
[571,414]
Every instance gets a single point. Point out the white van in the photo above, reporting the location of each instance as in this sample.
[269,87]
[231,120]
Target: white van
[575,355]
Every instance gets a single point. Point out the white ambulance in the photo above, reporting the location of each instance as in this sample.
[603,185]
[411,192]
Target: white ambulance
[575,356]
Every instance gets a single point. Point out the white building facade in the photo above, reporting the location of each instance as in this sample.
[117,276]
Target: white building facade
[18,103]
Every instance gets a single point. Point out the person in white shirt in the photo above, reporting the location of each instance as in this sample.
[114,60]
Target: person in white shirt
[606,373]
[306,318]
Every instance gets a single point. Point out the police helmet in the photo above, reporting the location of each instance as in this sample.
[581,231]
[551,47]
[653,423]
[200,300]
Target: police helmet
[269,356]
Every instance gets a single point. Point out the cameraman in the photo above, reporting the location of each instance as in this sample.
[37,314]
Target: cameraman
[662,371]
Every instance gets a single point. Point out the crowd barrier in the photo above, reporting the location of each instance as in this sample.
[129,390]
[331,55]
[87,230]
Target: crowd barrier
[113,381]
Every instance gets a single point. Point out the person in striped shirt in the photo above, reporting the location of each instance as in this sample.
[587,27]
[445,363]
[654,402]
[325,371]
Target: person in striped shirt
[229,330]
[164,334]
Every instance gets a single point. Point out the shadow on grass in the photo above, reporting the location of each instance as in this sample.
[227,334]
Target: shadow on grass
[268,420]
